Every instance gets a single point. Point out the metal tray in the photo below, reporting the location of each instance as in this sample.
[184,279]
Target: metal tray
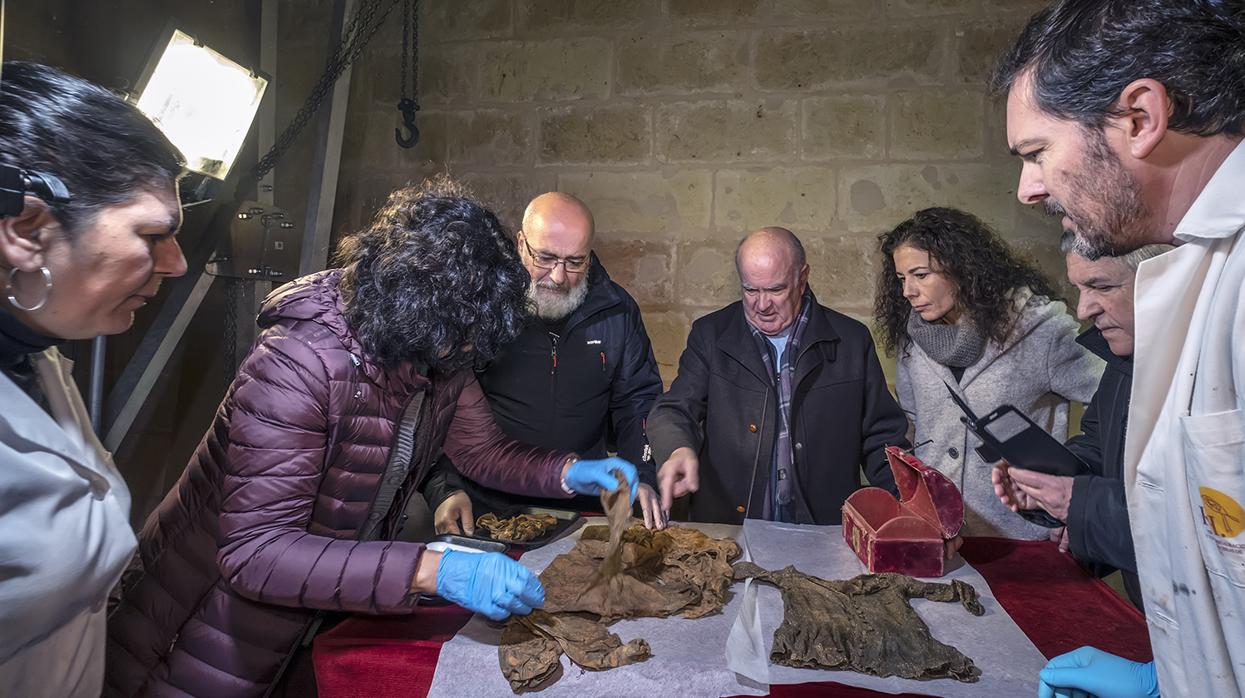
[567,521]
[450,541]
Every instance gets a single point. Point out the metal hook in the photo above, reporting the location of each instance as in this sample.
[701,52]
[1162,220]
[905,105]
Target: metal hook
[408,107]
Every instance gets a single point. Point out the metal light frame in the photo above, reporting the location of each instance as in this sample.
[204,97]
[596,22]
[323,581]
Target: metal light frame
[204,102]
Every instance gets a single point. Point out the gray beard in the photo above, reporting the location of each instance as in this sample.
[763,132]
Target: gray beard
[1119,227]
[552,306]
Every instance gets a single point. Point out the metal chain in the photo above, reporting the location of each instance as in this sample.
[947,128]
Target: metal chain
[407,135]
[410,49]
[232,287]
[360,30]
[406,51]
[415,50]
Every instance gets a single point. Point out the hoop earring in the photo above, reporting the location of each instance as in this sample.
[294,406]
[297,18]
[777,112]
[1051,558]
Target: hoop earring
[47,290]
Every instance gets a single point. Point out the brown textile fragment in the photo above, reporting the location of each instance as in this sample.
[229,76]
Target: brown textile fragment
[864,624]
[530,660]
[521,528]
[678,570]
[617,506]
[532,646]
[620,571]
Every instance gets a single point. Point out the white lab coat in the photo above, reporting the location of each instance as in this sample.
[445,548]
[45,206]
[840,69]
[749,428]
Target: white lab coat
[1185,453]
[65,538]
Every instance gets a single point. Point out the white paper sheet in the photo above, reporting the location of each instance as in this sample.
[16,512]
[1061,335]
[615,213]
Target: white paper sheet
[1008,660]
[689,657]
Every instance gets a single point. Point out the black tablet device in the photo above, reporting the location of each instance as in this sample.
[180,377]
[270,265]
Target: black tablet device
[1009,434]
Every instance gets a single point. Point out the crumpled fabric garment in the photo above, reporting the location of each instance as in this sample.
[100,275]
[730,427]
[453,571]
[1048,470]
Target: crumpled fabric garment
[532,648]
[620,571]
[864,624]
[678,570]
[617,508]
[518,529]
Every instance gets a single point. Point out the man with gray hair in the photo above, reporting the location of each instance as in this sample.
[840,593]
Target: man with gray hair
[779,401]
[1092,503]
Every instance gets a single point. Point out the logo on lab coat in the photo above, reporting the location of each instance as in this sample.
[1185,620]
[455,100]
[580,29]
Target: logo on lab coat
[1221,513]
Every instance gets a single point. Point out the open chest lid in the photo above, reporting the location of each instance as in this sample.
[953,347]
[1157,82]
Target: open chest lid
[926,492]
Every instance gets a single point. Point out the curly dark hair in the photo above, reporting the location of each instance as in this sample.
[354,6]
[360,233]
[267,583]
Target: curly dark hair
[434,279]
[1083,53]
[983,269]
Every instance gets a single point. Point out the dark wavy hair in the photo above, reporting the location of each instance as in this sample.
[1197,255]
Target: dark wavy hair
[983,269]
[100,146]
[1083,53]
[434,279]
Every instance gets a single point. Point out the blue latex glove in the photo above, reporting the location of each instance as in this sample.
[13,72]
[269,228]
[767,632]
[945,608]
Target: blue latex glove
[1089,671]
[597,476]
[488,583]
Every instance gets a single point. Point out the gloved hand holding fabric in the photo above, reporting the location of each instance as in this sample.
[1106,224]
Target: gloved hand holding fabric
[488,583]
[1089,671]
[597,476]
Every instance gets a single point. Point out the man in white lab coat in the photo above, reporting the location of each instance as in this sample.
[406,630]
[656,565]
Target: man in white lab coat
[1128,116]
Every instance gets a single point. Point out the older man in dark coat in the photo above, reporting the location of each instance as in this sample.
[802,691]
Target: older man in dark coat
[1093,503]
[778,403]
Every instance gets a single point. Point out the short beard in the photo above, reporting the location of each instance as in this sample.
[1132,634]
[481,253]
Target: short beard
[551,305]
[1104,183]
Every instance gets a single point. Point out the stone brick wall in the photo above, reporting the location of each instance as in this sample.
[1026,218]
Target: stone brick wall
[686,123]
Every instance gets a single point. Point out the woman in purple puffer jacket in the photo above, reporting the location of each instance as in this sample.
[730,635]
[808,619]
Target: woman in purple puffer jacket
[359,378]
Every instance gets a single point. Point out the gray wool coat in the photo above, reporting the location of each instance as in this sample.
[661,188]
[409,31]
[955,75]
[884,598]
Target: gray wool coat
[1039,369]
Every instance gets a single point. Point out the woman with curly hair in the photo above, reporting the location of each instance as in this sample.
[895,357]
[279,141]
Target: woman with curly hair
[955,305]
[360,377]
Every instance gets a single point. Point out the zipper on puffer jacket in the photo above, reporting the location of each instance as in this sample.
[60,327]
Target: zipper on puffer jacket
[397,467]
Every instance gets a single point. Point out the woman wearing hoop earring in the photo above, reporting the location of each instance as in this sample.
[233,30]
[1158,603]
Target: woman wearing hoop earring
[72,269]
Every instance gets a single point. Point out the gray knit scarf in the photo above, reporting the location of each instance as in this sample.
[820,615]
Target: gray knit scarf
[953,346]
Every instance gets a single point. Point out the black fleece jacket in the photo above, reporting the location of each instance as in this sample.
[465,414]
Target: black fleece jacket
[588,389]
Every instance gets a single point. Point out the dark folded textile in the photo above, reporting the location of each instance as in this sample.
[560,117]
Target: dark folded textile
[864,624]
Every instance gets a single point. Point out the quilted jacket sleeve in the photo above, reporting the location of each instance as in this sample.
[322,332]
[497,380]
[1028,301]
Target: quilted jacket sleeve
[278,436]
[482,451]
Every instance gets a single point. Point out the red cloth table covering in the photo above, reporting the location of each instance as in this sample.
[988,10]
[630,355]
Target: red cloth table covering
[1057,604]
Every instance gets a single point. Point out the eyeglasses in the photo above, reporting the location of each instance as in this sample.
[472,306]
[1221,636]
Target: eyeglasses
[544,260]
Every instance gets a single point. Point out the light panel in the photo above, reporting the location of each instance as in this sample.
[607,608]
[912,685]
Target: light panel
[203,102]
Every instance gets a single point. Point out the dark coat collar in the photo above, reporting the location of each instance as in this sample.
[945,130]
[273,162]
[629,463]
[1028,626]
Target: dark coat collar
[736,340]
[602,294]
[1093,340]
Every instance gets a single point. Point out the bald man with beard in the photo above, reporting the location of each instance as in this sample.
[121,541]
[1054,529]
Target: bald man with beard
[779,402]
[581,376]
